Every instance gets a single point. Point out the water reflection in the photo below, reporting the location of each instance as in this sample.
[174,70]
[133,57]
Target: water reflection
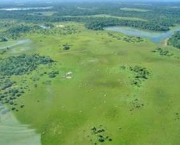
[156,37]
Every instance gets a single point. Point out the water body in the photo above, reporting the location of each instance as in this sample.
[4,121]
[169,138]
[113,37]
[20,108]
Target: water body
[12,132]
[18,46]
[25,9]
[156,37]
[44,27]
[20,42]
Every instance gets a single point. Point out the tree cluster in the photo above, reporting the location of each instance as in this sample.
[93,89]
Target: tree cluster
[175,40]
[23,64]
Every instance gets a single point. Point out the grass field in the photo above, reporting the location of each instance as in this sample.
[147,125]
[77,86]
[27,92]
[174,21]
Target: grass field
[99,104]
[107,16]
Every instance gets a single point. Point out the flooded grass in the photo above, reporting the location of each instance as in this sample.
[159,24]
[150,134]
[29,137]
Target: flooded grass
[92,98]
[16,47]
[12,132]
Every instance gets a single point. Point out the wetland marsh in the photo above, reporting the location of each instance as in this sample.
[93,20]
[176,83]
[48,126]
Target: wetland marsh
[83,76]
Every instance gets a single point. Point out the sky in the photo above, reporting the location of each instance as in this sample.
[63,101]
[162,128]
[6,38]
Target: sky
[8,1]
[86,0]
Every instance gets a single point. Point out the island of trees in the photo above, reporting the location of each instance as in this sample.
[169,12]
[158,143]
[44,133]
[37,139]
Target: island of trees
[175,40]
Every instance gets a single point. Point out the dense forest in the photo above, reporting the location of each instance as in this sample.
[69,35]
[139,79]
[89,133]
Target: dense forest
[155,16]
[28,62]
[175,40]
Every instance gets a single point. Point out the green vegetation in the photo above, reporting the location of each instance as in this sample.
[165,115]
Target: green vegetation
[101,135]
[19,31]
[99,93]
[14,67]
[76,84]
[160,18]
[175,40]
[66,46]
[129,39]
[16,31]
[22,64]
[4,39]
[140,74]
[100,23]
[123,18]
[162,52]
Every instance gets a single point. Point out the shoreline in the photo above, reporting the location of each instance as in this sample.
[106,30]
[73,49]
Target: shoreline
[20,133]
[165,42]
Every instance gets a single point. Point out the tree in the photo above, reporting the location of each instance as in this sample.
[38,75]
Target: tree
[66,46]
[4,39]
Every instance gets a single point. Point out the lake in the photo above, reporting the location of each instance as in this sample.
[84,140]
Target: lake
[156,37]
[44,27]
[25,9]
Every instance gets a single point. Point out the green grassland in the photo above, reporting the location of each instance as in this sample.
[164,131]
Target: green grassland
[124,18]
[45,13]
[109,16]
[100,104]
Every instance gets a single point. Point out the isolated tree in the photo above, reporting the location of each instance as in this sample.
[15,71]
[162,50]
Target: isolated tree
[66,46]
